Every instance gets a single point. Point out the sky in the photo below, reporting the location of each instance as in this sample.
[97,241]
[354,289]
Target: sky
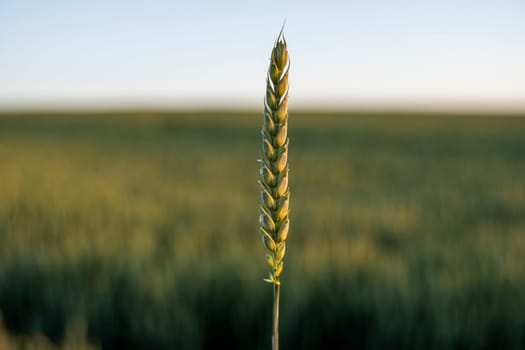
[447,54]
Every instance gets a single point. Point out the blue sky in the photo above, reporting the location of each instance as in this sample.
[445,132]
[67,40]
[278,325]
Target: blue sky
[373,53]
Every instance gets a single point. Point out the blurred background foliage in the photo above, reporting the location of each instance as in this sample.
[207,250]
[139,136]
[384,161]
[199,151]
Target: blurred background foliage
[138,230]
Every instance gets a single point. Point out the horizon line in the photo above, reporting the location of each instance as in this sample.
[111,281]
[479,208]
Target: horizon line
[385,106]
[178,109]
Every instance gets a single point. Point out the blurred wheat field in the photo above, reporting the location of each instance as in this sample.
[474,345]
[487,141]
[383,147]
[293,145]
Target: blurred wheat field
[408,231]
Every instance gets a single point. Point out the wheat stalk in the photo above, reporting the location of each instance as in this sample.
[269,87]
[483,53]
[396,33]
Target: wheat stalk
[275,195]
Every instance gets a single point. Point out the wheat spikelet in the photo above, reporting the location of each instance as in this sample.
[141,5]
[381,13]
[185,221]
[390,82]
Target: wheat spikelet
[275,196]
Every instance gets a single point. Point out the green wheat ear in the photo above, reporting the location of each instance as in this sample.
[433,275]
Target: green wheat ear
[275,195]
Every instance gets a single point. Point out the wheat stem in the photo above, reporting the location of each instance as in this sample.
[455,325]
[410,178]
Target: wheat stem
[275,335]
[275,195]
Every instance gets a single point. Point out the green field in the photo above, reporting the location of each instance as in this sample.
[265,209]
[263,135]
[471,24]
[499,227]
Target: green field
[407,231]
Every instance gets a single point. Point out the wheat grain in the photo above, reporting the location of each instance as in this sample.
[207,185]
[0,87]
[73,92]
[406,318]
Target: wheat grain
[275,194]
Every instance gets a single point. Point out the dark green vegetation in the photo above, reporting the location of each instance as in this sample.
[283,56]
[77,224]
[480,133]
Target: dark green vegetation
[408,232]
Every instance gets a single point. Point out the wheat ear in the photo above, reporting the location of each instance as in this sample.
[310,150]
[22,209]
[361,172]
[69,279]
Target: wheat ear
[275,195]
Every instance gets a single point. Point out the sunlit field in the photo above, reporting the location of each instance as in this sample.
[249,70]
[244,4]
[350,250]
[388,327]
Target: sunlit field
[407,231]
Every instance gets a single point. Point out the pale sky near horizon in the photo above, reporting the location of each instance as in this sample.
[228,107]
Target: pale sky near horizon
[215,53]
